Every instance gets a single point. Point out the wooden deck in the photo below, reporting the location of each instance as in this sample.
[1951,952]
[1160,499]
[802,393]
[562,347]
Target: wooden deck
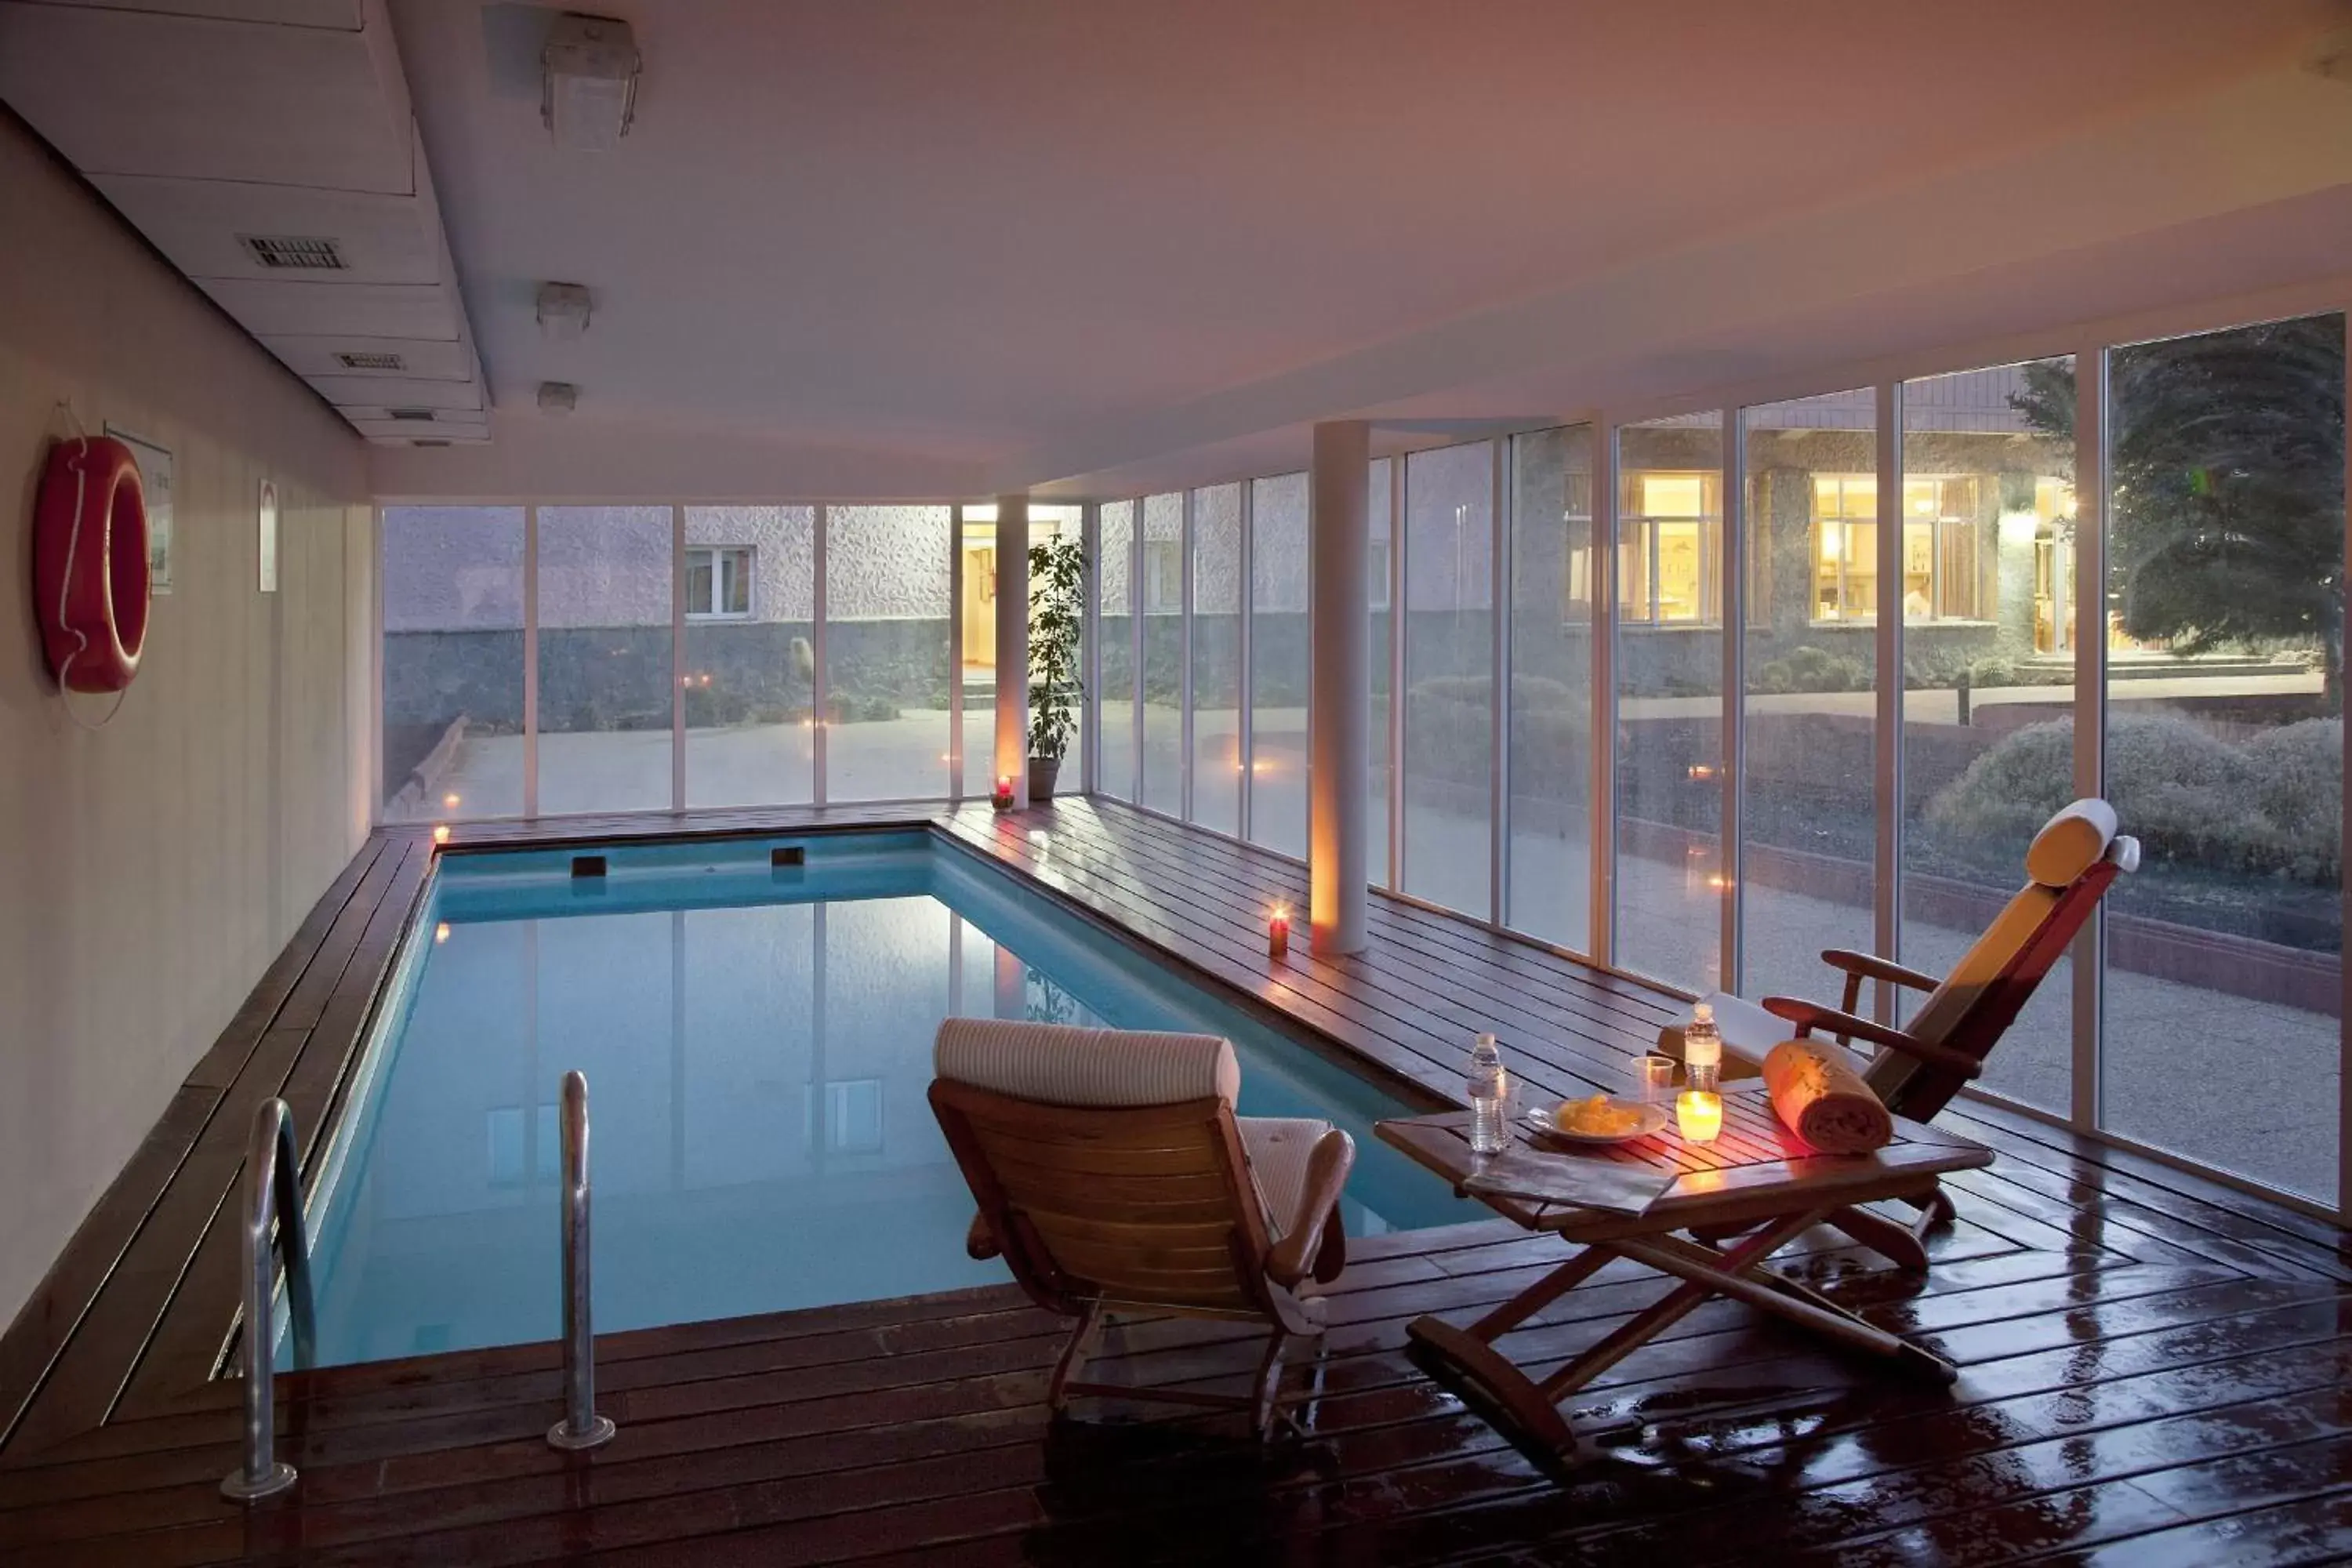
[2154,1370]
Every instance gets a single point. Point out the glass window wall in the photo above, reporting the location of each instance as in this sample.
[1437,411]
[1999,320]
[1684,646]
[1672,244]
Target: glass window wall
[1551,686]
[1809,813]
[1670,871]
[887,658]
[1114,689]
[1449,675]
[2224,748]
[1215,648]
[751,661]
[1162,585]
[604,667]
[453,662]
[1983,696]
[1278,675]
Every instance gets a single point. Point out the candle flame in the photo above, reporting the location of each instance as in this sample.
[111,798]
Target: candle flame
[441,931]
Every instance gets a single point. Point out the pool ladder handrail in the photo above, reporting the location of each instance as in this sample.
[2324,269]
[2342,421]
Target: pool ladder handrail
[273,1200]
[581,1427]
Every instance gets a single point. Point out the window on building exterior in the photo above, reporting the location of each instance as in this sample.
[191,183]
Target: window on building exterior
[1944,535]
[1163,577]
[718,582]
[1667,548]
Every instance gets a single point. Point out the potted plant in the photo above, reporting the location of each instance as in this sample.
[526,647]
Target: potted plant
[1057,578]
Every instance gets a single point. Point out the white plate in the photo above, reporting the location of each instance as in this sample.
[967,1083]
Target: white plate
[1654,1117]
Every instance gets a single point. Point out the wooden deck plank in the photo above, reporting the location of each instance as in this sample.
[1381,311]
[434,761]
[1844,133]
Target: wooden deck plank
[2151,1366]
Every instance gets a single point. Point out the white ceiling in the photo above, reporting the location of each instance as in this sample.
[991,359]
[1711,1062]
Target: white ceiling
[900,246]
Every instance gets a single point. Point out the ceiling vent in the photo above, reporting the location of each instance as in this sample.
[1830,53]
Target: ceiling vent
[423,415]
[294,252]
[371,362]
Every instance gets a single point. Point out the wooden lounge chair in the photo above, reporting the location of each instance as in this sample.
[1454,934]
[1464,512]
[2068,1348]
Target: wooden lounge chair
[1113,1177]
[1918,1067]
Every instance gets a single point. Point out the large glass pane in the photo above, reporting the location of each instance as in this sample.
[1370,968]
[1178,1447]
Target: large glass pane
[1669,699]
[1987,709]
[887,657]
[1552,685]
[1114,689]
[1383,554]
[751,661]
[2224,748]
[977,663]
[1449,675]
[1808,810]
[1217,657]
[1163,653]
[1277,677]
[605,681]
[453,663]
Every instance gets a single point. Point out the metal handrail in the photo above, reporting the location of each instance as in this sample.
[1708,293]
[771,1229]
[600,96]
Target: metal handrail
[273,1197]
[581,1427]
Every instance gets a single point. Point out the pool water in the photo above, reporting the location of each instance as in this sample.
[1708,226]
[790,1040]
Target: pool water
[757,1044]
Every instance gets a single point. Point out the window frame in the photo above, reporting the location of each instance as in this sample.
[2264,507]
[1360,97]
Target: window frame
[720,556]
[1642,532]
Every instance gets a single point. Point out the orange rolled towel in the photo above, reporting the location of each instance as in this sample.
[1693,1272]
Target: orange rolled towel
[1824,1101]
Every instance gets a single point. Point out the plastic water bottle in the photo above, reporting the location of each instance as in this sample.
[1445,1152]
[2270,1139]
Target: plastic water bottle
[1490,1092]
[1703,1050]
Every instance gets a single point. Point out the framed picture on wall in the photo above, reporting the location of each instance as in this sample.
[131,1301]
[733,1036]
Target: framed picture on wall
[156,485]
[268,511]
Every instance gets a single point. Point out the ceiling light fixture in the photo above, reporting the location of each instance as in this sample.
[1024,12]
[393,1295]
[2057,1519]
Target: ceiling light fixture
[558,396]
[589,94]
[564,311]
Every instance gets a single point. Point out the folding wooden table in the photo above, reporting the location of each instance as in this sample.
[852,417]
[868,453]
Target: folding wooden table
[1758,1181]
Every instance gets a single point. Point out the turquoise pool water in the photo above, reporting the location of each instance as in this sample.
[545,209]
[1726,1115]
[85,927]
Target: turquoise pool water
[757,1044]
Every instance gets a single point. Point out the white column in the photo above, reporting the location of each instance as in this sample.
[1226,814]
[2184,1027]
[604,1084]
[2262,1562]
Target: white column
[1012,646]
[1339,705]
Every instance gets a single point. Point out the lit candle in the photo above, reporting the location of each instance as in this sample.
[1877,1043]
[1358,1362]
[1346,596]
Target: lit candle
[1278,933]
[1003,798]
[1698,1115]
[440,833]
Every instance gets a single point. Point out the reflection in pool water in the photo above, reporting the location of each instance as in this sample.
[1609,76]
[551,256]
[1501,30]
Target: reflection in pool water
[756,1043]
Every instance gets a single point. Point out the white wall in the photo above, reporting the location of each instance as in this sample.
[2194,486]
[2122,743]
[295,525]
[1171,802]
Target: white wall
[150,871]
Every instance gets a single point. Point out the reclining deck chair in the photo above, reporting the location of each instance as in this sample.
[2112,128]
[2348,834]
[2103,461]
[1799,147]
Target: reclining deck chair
[1918,1067]
[1114,1178]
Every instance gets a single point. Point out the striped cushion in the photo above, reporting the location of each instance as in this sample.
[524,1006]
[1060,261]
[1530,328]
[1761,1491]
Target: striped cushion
[1278,1147]
[1057,1064]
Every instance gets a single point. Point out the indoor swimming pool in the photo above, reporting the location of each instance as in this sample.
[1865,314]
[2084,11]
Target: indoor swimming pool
[756,1041]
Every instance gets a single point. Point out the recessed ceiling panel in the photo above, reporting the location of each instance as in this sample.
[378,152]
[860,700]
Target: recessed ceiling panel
[389,429]
[270,307]
[411,359]
[340,14]
[206,226]
[355,391]
[126,93]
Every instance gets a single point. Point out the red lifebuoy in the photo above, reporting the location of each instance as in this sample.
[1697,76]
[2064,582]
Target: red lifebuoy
[89,564]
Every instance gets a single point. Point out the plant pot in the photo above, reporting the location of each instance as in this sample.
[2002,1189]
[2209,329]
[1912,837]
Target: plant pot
[1042,772]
